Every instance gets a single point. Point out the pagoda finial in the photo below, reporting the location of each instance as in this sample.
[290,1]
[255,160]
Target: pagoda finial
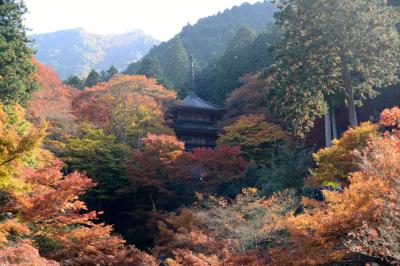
[192,83]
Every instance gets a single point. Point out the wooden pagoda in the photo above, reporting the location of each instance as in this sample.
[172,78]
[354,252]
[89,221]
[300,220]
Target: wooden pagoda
[194,120]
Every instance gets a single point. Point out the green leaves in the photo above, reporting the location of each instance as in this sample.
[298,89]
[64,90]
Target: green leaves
[324,42]
[16,67]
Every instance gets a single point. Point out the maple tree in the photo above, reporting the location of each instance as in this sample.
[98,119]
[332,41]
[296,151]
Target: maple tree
[53,103]
[216,231]
[209,168]
[40,205]
[249,98]
[336,162]
[127,106]
[257,138]
[151,166]
[248,222]
[360,219]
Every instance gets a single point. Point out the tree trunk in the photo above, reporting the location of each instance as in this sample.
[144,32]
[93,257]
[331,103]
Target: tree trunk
[349,93]
[328,129]
[334,128]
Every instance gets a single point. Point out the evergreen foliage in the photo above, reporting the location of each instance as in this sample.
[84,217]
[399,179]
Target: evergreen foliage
[92,79]
[349,47]
[16,67]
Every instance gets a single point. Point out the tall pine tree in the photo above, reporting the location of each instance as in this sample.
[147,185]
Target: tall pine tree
[348,46]
[16,67]
[93,78]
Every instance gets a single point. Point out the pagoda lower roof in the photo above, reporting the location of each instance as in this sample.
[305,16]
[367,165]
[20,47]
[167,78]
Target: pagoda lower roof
[193,126]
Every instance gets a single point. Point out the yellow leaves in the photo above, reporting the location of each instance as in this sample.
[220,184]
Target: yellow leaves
[336,162]
[253,133]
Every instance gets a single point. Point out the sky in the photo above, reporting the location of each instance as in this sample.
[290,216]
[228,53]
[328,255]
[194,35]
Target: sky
[160,18]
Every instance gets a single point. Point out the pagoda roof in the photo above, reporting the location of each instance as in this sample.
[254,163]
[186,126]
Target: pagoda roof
[193,126]
[195,102]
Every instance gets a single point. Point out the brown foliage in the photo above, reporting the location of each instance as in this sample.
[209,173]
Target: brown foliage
[23,254]
[249,99]
[212,166]
[363,218]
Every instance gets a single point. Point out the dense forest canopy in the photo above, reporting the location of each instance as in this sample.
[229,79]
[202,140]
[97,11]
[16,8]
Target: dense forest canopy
[92,174]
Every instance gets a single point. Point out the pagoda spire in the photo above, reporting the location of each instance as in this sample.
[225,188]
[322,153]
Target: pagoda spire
[191,83]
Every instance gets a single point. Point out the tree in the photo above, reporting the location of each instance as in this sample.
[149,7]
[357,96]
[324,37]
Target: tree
[286,169]
[357,219]
[92,79]
[210,169]
[53,103]
[40,206]
[16,68]
[248,99]
[127,106]
[151,68]
[111,72]
[151,167]
[257,138]
[348,47]
[76,82]
[248,222]
[103,159]
[333,164]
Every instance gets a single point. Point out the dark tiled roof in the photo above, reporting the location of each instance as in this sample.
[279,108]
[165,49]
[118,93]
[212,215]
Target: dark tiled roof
[205,127]
[193,101]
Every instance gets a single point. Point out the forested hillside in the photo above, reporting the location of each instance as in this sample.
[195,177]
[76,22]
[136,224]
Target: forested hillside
[76,52]
[206,41]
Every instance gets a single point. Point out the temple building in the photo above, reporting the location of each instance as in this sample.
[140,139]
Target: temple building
[193,119]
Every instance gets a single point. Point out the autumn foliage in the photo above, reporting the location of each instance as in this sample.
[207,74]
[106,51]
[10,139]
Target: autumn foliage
[53,100]
[256,137]
[127,106]
[40,206]
[336,162]
[361,219]
[213,166]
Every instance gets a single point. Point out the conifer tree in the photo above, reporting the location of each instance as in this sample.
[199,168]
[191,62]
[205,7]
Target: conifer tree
[93,78]
[111,72]
[331,47]
[16,67]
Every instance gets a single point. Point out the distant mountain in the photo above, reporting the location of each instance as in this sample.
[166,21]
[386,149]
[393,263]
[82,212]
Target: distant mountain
[206,40]
[75,52]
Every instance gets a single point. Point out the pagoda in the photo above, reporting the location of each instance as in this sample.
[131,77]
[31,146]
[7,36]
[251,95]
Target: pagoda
[193,119]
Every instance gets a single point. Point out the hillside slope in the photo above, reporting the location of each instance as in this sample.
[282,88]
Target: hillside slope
[207,39]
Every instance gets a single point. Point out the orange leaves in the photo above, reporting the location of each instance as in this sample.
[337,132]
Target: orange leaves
[336,162]
[166,148]
[53,197]
[390,117]
[127,106]
[364,217]
[156,157]
[250,98]
[53,101]
[255,135]
[12,227]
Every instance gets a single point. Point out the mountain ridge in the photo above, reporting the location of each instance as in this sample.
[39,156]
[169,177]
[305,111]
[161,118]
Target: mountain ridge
[76,51]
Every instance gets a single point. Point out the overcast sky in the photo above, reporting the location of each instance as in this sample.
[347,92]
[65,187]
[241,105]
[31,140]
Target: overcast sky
[159,18]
